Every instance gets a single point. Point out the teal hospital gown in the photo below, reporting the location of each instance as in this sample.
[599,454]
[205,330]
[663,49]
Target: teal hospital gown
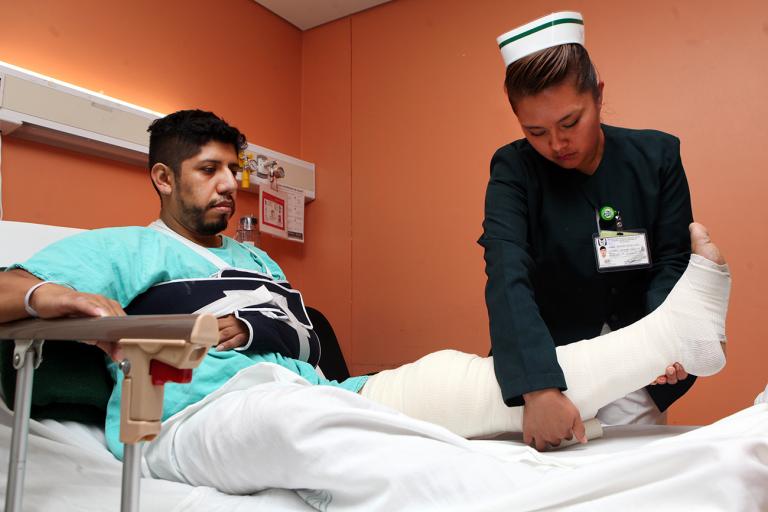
[122,263]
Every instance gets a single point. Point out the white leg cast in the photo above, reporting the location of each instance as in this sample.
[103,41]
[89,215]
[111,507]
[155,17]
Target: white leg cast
[455,390]
[459,391]
[687,328]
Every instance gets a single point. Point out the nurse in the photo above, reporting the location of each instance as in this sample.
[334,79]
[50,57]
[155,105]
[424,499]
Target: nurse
[571,191]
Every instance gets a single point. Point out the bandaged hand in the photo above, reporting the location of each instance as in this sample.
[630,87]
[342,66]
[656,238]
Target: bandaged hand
[550,417]
[233,333]
[672,375]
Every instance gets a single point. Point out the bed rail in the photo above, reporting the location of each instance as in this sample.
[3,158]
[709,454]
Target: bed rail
[157,349]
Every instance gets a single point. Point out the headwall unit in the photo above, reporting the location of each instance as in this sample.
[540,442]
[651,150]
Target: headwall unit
[43,109]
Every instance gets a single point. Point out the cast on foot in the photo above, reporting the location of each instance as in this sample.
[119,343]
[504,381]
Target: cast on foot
[697,306]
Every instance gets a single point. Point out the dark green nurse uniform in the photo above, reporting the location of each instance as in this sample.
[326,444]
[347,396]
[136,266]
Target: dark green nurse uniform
[543,285]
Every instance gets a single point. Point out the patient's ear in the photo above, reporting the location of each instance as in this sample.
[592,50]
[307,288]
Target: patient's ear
[163,178]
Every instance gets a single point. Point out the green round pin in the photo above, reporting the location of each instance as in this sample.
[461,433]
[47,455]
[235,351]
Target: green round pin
[607,213]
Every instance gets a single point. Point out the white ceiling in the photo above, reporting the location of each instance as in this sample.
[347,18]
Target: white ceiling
[307,14]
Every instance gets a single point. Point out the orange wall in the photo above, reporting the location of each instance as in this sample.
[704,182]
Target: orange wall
[326,141]
[427,112]
[161,55]
[401,107]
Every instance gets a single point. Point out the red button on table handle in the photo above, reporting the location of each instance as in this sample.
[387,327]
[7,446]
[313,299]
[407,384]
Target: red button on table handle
[162,373]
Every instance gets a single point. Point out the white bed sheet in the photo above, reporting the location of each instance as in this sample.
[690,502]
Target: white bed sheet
[723,466]
[69,469]
[720,467]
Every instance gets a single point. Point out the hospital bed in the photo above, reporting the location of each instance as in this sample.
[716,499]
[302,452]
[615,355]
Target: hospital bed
[723,466]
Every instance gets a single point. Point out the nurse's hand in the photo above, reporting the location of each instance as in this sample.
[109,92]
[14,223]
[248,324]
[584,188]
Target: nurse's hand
[673,375]
[549,417]
[232,333]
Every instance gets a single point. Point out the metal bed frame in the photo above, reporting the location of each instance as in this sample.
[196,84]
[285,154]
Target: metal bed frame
[157,348]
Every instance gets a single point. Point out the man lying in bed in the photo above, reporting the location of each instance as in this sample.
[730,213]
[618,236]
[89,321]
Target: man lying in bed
[260,416]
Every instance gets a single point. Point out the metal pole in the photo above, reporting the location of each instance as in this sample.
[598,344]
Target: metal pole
[18,460]
[129,498]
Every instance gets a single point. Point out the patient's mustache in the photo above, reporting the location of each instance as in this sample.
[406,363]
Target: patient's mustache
[223,202]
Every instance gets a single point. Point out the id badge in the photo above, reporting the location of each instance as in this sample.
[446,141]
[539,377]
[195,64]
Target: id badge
[621,250]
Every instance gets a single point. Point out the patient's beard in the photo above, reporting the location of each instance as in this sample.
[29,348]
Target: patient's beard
[194,218]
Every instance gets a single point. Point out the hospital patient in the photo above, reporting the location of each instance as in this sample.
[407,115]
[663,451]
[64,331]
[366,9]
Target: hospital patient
[257,415]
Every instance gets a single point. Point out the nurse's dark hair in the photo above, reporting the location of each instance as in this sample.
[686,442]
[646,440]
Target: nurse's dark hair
[179,136]
[551,66]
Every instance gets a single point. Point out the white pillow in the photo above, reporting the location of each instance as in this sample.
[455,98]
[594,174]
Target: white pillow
[20,240]
[762,398]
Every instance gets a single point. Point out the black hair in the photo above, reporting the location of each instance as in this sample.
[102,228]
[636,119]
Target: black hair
[552,66]
[179,136]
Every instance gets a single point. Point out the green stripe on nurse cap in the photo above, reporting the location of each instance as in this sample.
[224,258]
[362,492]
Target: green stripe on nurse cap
[551,30]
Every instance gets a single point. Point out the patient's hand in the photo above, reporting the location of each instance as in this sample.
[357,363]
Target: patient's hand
[55,301]
[232,333]
[673,375]
[549,417]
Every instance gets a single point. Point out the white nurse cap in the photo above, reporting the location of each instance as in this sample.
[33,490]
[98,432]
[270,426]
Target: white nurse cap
[551,30]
